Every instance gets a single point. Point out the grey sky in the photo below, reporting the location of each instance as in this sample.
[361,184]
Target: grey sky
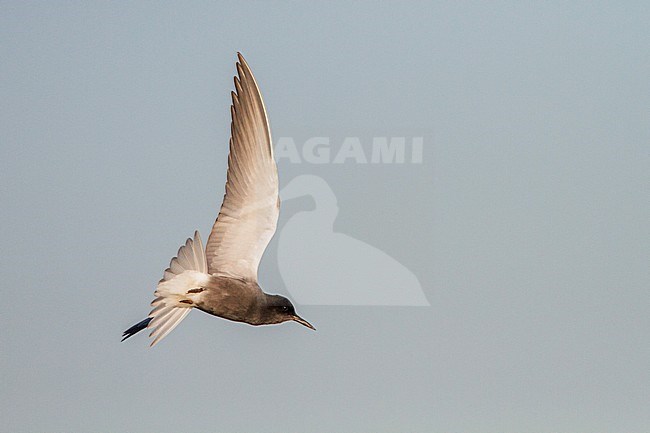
[526,222]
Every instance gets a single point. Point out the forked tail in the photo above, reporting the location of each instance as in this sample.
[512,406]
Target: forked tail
[135,328]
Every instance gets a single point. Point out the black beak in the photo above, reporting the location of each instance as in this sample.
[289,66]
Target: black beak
[303,322]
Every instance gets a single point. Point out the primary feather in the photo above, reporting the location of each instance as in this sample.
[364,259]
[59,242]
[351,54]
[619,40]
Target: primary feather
[173,300]
[249,213]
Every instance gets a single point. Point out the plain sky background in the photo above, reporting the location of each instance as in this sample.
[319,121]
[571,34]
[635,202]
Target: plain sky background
[527,222]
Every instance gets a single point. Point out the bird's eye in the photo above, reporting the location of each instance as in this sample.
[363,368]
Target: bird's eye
[285,308]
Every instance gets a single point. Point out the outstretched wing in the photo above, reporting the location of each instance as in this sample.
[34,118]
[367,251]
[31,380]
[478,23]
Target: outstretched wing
[249,213]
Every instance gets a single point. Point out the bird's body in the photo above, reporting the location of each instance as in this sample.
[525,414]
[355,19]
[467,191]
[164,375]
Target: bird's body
[222,278]
[235,299]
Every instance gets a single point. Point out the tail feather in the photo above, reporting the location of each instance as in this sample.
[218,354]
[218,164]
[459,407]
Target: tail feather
[135,328]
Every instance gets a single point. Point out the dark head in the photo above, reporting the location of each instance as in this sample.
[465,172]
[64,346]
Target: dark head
[279,309]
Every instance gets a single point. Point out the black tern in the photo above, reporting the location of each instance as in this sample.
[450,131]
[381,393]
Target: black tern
[222,279]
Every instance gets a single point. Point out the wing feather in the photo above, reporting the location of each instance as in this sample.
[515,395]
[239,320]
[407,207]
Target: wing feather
[249,212]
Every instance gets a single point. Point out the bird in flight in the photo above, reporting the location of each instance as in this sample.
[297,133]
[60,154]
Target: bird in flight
[222,279]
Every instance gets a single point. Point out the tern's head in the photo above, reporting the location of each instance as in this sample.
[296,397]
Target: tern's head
[279,309]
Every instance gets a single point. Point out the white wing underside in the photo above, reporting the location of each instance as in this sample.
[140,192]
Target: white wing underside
[249,213]
[186,271]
